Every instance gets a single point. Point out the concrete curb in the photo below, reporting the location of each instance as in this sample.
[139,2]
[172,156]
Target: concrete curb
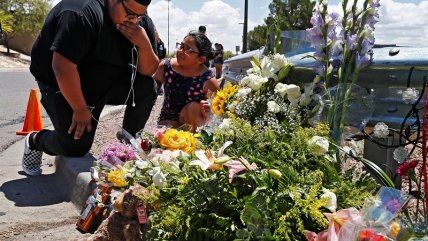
[77,170]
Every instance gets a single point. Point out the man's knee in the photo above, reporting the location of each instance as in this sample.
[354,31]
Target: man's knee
[77,148]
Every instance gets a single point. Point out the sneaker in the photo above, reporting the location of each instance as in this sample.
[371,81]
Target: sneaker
[32,159]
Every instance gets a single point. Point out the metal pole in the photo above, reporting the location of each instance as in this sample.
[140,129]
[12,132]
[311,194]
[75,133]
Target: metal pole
[244,39]
[168,26]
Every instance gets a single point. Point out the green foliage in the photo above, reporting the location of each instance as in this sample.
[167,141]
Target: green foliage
[286,15]
[6,21]
[305,213]
[227,55]
[28,16]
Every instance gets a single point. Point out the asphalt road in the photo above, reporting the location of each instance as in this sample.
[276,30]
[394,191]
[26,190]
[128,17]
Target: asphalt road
[15,86]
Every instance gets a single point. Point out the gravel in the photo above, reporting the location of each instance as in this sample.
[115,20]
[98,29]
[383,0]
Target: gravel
[110,124]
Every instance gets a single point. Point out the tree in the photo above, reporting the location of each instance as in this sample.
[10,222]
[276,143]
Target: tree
[28,17]
[227,54]
[6,21]
[287,15]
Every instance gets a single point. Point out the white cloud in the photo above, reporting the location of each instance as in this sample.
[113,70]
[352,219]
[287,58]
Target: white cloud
[400,23]
[222,25]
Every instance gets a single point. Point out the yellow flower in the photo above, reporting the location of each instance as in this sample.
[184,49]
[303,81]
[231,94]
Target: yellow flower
[117,177]
[222,97]
[394,228]
[174,139]
[218,106]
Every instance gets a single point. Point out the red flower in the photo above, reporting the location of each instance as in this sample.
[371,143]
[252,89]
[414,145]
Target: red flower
[145,145]
[370,235]
[405,167]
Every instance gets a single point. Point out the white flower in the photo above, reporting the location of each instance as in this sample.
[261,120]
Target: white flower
[254,70]
[281,89]
[248,79]
[278,61]
[410,95]
[243,92]
[306,97]
[159,180]
[225,124]
[266,68]
[153,171]
[273,107]
[293,91]
[331,200]
[400,154]
[380,130]
[256,84]
[141,164]
[319,145]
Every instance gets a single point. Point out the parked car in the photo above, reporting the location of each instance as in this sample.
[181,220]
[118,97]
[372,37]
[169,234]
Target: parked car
[393,69]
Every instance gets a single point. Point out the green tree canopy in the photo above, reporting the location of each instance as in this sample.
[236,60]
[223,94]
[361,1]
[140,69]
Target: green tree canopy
[287,15]
[28,16]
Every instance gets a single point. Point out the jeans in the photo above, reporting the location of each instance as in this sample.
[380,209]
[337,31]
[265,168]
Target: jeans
[59,142]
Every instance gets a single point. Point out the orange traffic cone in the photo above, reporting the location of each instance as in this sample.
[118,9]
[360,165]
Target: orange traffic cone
[33,117]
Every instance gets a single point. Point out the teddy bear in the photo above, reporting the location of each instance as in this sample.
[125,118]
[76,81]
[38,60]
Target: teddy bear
[125,220]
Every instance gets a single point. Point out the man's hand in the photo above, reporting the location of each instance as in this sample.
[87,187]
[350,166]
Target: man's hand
[81,121]
[134,33]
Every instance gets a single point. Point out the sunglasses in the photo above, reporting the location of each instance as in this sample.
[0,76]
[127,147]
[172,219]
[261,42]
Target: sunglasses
[186,48]
[129,13]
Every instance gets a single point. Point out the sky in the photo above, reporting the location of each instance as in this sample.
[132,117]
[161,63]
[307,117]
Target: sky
[402,22]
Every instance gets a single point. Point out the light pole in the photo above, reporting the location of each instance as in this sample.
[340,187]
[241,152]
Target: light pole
[168,25]
[244,39]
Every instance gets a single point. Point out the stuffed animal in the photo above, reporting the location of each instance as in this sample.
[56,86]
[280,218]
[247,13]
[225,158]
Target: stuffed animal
[126,218]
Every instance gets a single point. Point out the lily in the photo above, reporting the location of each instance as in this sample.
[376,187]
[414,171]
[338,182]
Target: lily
[209,159]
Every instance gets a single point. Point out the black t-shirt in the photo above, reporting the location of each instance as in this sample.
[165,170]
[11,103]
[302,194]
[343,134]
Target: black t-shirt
[82,31]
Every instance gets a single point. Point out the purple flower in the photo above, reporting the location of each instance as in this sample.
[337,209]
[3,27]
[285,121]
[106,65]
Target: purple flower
[116,154]
[351,41]
[362,60]
[393,205]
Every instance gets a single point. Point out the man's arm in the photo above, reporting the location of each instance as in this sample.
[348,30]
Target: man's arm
[69,84]
[147,59]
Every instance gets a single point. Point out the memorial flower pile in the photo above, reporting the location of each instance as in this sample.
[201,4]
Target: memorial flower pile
[259,171]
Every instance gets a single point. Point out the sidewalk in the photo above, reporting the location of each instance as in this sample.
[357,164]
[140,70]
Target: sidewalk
[8,62]
[43,207]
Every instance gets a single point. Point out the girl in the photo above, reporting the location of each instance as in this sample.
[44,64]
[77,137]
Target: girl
[218,60]
[186,81]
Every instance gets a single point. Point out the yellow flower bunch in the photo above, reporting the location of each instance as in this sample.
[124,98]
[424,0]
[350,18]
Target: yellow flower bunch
[174,139]
[117,177]
[222,96]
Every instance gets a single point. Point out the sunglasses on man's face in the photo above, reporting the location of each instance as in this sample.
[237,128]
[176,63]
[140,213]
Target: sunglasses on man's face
[129,13]
[186,48]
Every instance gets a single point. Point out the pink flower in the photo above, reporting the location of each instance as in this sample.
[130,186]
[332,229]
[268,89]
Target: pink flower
[405,167]
[158,133]
[312,236]
[236,166]
[337,219]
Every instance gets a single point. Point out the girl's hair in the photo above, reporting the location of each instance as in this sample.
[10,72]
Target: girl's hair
[202,43]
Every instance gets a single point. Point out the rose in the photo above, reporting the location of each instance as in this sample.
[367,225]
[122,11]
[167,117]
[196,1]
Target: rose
[174,139]
[273,107]
[319,145]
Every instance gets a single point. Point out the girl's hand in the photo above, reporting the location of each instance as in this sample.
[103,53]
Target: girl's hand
[205,106]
